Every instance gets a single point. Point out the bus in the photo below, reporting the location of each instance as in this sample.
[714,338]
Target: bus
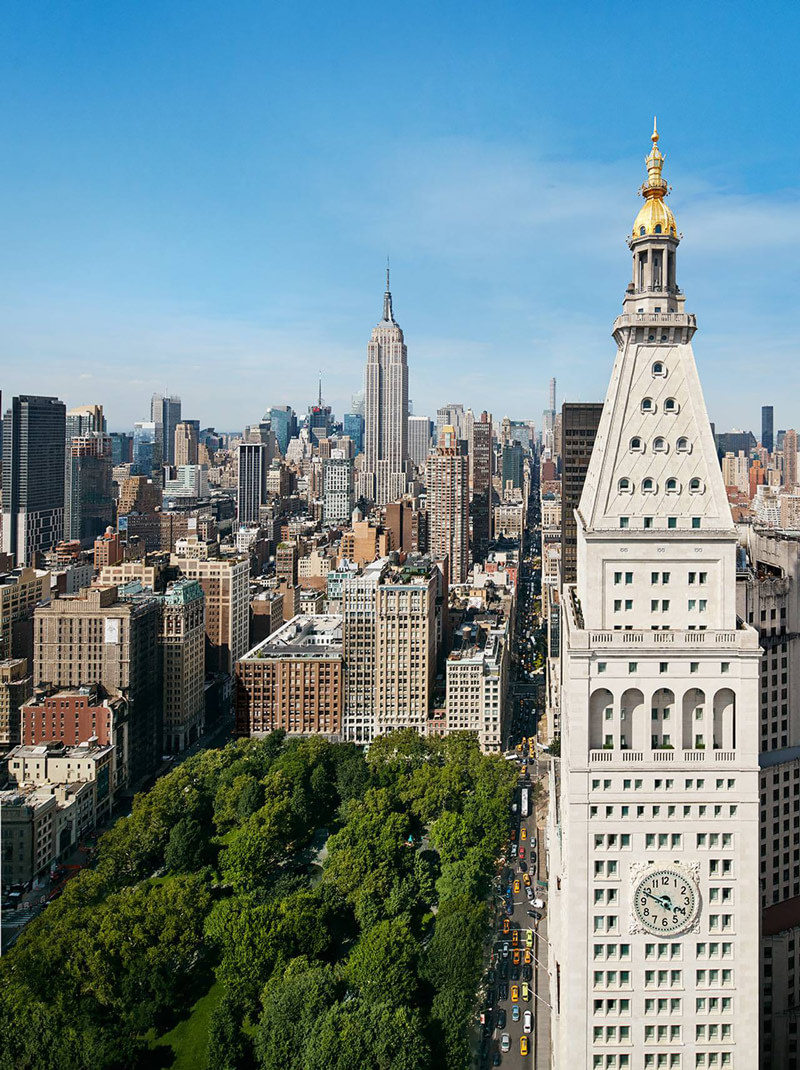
[524,803]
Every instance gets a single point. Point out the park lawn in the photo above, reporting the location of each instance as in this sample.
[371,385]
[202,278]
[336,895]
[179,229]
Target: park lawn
[189,1038]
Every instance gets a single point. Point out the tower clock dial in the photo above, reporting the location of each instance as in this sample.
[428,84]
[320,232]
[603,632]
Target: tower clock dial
[666,901]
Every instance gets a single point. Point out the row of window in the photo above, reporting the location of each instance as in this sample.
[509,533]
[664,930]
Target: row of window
[661,577]
[670,405]
[672,522]
[663,666]
[649,485]
[660,445]
[694,604]
[720,784]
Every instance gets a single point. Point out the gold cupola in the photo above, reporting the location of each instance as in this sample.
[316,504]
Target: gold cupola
[654,217]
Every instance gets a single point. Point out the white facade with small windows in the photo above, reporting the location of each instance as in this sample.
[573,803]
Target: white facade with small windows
[653,841]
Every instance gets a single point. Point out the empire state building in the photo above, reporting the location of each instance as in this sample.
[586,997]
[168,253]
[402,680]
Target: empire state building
[386,410]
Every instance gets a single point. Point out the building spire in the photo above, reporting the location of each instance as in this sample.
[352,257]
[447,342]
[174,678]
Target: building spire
[655,186]
[388,315]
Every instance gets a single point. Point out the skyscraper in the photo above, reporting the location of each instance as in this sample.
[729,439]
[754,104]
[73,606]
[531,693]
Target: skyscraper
[481,454]
[34,431]
[187,435]
[419,440]
[337,490]
[790,459]
[165,413]
[447,480]
[386,409]
[283,422]
[147,455]
[254,461]
[88,505]
[654,836]
[767,440]
[579,427]
[353,427]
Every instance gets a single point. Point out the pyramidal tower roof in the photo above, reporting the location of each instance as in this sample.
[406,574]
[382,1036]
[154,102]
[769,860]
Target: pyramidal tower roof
[654,464]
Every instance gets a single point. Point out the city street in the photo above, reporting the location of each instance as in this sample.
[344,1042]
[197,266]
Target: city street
[505,975]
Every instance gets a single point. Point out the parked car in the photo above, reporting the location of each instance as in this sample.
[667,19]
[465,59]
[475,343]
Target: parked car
[501,1019]
[527,1022]
[505,949]
[515,1012]
[515,973]
[523,1045]
[527,971]
[502,991]
[505,1042]
[538,904]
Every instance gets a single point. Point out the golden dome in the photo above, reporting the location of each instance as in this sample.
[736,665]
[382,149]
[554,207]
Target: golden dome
[654,216]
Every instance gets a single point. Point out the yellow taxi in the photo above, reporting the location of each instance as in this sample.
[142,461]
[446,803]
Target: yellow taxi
[523,833]
[526,992]
[528,957]
[517,955]
[526,877]
[523,1045]
[529,937]
[516,887]
[515,993]
[506,926]
[515,938]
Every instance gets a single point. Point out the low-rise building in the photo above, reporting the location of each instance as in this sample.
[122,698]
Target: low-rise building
[16,684]
[79,715]
[293,680]
[477,683]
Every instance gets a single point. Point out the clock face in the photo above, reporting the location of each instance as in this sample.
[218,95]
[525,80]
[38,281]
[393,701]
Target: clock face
[666,901]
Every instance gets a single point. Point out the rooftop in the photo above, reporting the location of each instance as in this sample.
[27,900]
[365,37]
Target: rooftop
[309,635]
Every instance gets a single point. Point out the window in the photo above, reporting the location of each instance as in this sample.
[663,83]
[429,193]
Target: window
[618,577]
[636,445]
[682,445]
[672,522]
[648,523]
[725,666]
[628,577]
[659,369]
[660,445]
[625,486]
[623,521]
[671,485]
[694,666]
[633,667]
[648,486]
[695,486]
[671,405]
[663,667]
[695,522]
[647,405]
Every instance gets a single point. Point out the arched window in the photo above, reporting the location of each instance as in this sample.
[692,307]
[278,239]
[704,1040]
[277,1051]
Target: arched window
[671,405]
[672,230]
[671,486]
[642,230]
[659,369]
[682,445]
[660,445]
[647,405]
[636,445]
[648,486]
[695,486]
[658,228]
[625,486]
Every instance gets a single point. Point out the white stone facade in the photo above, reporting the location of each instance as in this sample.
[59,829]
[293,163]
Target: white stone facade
[657,785]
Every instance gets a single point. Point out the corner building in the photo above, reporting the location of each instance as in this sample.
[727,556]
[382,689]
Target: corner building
[653,836]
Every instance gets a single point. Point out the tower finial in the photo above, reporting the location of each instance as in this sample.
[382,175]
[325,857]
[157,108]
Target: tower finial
[388,315]
[654,135]
[320,388]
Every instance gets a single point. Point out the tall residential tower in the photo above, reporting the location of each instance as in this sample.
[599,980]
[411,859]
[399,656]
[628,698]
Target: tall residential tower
[654,835]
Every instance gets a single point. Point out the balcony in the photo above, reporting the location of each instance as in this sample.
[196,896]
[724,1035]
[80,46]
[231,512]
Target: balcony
[690,757]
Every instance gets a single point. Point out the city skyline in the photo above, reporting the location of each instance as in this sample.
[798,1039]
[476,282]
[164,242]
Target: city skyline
[135,243]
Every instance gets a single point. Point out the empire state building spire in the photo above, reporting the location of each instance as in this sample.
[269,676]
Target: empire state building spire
[388,314]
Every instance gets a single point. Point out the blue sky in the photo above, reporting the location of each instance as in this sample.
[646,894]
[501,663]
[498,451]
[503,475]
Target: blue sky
[201,196]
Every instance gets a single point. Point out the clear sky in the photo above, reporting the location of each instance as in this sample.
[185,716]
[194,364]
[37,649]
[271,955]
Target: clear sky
[201,196]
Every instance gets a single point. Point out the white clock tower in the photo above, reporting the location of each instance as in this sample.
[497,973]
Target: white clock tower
[653,841]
